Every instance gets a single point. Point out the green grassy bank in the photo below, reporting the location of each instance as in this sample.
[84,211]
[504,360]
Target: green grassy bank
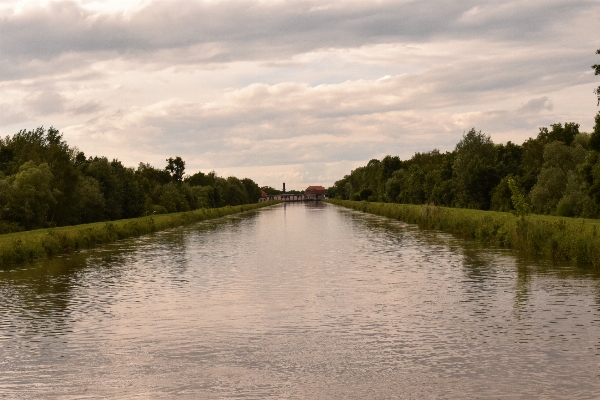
[23,246]
[561,238]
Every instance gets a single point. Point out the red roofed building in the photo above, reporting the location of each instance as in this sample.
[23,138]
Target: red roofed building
[315,193]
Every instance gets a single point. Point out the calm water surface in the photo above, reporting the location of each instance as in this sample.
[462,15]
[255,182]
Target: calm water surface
[299,301]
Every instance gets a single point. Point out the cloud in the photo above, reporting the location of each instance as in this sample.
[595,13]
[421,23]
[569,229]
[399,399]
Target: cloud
[45,103]
[9,115]
[251,30]
[86,107]
[537,105]
[295,90]
[291,124]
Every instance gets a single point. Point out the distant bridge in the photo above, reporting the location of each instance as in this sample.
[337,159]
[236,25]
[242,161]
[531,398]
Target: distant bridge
[312,193]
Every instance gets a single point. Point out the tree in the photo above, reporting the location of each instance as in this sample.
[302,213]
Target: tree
[201,179]
[559,160]
[474,171]
[31,196]
[596,68]
[90,204]
[413,187]
[564,134]
[521,207]
[269,190]
[176,167]
[595,137]
[252,189]
[172,198]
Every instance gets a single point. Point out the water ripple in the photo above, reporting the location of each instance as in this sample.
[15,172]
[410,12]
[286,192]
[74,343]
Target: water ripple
[298,301]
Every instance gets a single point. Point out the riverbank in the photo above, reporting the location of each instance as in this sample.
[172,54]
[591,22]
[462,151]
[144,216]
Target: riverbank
[24,246]
[558,237]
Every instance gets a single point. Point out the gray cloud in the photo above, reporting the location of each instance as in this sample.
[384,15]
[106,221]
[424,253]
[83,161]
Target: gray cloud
[46,103]
[261,30]
[311,87]
[9,115]
[537,105]
[87,107]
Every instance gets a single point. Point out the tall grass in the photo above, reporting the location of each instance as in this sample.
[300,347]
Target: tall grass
[558,237]
[23,246]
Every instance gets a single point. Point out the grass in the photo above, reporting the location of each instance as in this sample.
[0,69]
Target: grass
[561,238]
[25,246]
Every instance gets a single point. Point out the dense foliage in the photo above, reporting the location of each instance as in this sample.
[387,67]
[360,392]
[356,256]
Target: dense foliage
[45,183]
[557,172]
[560,238]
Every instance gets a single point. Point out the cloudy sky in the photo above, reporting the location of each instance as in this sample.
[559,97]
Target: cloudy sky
[293,91]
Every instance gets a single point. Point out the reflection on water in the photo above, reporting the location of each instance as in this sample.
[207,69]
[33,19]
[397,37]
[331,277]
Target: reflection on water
[299,301]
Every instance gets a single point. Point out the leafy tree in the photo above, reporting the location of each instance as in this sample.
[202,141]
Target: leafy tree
[90,204]
[269,190]
[474,170]
[205,196]
[365,194]
[595,136]
[201,179]
[176,167]
[102,171]
[348,190]
[252,190]
[31,196]
[575,202]
[596,68]
[589,172]
[551,184]
[236,192]
[564,134]
[413,188]
[521,207]
[509,157]
[172,198]
[502,195]
[389,165]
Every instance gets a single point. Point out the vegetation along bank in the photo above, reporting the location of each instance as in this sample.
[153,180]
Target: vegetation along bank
[557,172]
[561,238]
[24,246]
[46,183]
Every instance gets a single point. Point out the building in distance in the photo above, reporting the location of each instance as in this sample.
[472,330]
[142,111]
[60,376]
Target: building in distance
[312,193]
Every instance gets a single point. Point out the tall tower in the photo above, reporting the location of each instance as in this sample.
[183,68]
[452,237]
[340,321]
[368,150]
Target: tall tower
[283,187]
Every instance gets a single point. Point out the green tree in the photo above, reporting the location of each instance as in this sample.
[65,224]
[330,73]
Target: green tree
[90,204]
[520,206]
[176,167]
[575,202]
[474,171]
[201,179]
[551,184]
[172,198]
[252,190]
[31,196]
[269,190]
[596,68]
[502,196]
[564,134]
[413,186]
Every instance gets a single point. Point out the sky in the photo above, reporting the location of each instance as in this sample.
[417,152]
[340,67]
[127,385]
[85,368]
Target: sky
[300,92]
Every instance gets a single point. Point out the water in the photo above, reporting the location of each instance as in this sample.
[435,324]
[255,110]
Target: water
[299,301]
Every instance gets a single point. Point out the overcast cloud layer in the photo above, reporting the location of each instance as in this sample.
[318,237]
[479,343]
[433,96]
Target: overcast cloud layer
[294,91]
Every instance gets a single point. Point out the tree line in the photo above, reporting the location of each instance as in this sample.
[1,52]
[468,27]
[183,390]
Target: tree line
[46,183]
[557,172]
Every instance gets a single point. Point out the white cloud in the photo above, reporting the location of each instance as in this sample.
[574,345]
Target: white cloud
[293,90]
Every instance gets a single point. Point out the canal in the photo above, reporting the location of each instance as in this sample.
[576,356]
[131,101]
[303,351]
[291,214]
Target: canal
[299,301]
